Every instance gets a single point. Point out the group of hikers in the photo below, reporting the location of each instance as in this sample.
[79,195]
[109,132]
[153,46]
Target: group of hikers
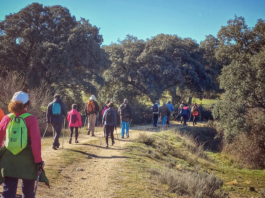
[20,157]
[164,113]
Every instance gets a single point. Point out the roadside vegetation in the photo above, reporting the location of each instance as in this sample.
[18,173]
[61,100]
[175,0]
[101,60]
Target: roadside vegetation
[170,164]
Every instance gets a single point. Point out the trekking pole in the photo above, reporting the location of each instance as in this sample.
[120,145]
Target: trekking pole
[37,182]
[118,137]
[63,132]
[84,125]
[45,132]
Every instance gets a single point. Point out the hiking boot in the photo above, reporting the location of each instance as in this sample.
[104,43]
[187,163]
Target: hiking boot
[122,137]
[107,146]
[54,147]
[76,141]
[88,133]
[58,145]
[93,135]
[113,143]
[70,140]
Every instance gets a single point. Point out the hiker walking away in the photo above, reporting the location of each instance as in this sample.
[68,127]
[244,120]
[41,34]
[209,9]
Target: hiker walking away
[2,114]
[171,108]
[104,108]
[75,121]
[21,152]
[125,113]
[91,110]
[180,107]
[109,120]
[195,113]
[185,113]
[155,108]
[56,112]
[163,112]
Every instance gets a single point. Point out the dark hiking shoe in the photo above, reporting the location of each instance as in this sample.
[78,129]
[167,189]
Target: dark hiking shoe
[107,146]
[76,141]
[88,133]
[58,145]
[127,136]
[70,140]
[54,148]
[92,135]
[113,143]
[122,137]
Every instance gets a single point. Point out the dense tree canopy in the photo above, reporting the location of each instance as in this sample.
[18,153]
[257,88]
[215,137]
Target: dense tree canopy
[244,78]
[48,43]
[157,64]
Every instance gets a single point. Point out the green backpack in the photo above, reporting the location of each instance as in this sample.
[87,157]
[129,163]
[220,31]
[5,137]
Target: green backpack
[16,133]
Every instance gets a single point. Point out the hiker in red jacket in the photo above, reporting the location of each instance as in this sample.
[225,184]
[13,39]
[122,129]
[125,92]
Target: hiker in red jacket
[22,161]
[75,121]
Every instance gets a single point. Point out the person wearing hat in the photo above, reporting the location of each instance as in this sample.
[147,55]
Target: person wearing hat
[109,121]
[21,159]
[125,113]
[171,108]
[2,114]
[91,110]
[56,119]
[195,113]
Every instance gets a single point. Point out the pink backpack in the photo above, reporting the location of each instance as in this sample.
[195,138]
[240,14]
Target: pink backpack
[104,109]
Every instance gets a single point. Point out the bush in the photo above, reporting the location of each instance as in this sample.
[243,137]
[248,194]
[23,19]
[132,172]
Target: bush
[262,193]
[192,183]
[145,139]
[246,150]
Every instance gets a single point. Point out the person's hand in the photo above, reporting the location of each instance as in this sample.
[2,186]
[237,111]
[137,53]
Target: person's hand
[41,164]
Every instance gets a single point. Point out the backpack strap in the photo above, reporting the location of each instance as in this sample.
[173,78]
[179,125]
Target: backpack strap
[24,115]
[11,115]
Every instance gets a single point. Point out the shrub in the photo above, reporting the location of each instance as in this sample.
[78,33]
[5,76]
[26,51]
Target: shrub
[145,139]
[246,150]
[192,183]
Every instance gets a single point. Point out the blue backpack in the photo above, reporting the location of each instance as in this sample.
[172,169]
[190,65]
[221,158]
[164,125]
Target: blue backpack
[184,111]
[56,109]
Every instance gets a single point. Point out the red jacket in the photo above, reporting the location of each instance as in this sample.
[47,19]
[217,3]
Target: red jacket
[33,134]
[78,122]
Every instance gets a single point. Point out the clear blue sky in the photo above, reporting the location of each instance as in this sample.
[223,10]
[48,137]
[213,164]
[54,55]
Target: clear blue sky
[147,18]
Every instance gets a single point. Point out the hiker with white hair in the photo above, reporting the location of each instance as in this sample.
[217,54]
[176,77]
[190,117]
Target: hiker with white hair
[125,113]
[163,112]
[91,111]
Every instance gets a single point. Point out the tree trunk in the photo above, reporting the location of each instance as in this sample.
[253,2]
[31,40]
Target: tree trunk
[174,97]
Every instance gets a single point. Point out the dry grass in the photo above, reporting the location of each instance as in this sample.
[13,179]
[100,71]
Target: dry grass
[145,139]
[262,193]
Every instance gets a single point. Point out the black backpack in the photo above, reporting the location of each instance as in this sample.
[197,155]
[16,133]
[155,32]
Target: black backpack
[124,111]
[109,116]
[155,108]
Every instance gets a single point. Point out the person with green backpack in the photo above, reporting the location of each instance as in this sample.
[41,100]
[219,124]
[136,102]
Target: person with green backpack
[20,156]
[56,112]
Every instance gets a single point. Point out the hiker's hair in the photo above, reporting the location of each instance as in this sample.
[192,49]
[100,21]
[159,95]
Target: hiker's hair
[125,100]
[17,106]
[57,95]
[107,102]
[74,106]
[111,104]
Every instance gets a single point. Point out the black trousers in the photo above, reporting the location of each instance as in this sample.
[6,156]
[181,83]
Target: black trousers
[155,119]
[109,130]
[168,118]
[72,131]
[194,120]
[56,133]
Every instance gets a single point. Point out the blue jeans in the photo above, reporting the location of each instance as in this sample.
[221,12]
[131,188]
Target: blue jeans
[124,126]
[10,188]
[164,119]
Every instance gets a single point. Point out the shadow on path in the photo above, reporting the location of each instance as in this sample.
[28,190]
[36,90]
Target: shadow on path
[96,156]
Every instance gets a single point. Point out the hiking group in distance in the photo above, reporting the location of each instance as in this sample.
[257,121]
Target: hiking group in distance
[20,156]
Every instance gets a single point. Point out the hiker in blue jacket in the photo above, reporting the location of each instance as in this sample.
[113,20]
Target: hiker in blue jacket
[171,108]
[109,121]
[56,112]
[185,113]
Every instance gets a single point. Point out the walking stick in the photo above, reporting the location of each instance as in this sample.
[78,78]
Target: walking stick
[118,137]
[44,132]
[84,125]
[37,182]
[63,132]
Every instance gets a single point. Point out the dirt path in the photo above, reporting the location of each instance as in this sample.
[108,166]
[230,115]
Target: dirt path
[91,177]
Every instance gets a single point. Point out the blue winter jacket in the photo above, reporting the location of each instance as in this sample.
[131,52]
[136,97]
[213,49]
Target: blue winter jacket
[50,118]
[170,106]
[114,121]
